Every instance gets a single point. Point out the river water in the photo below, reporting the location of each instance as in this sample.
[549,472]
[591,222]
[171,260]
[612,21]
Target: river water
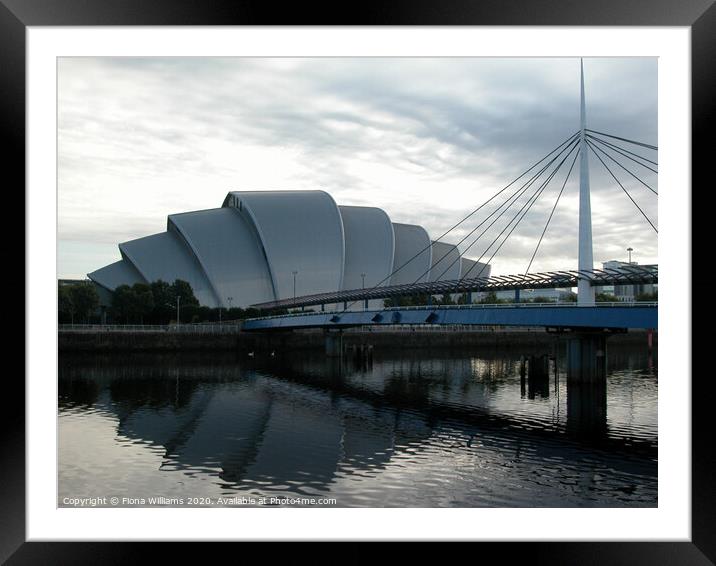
[409,429]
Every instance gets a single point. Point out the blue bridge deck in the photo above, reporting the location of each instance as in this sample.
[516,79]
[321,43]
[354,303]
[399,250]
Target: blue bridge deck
[608,315]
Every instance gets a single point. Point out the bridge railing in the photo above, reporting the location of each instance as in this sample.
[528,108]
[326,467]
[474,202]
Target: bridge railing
[444,328]
[172,328]
[633,304]
[627,275]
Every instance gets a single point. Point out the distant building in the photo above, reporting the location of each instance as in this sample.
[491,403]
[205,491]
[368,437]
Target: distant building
[64,282]
[624,292]
[531,294]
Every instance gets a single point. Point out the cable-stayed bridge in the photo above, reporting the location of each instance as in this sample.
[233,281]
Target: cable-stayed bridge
[625,275]
[619,156]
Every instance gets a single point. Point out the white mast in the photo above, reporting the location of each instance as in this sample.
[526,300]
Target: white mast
[585,291]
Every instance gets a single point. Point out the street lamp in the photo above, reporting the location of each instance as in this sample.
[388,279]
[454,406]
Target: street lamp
[228,299]
[294,284]
[630,250]
[178,299]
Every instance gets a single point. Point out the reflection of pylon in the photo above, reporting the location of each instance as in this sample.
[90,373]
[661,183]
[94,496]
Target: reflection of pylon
[585,291]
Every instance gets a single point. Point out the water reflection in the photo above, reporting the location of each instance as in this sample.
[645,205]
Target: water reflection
[435,429]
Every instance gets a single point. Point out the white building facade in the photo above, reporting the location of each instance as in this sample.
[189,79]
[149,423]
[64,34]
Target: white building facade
[262,246]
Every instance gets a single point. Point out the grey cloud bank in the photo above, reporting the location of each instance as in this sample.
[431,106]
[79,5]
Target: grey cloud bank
[425,139]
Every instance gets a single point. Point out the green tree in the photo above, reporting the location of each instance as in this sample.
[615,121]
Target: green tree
[85,299]
[648,296]
[65,308]
[183,290]
[605,298]
[489,298]
[188,303]
[163,307]
[142,301]
[447,299]
[122,304]
[398,302]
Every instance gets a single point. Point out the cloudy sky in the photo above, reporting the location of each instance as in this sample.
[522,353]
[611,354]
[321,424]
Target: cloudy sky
[428,140]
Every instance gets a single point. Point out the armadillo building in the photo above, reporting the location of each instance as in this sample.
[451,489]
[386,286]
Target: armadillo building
[262,246]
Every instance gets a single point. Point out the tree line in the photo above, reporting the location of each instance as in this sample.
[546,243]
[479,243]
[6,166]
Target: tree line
[489,298]
[143,303]
[156,303]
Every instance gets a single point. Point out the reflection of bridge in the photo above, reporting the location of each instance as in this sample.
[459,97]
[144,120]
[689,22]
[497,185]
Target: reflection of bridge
[299,424]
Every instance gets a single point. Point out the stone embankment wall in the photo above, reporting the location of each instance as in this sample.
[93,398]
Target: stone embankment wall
[280,341]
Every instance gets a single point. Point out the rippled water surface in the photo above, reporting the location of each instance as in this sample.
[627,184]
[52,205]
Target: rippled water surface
[428,429]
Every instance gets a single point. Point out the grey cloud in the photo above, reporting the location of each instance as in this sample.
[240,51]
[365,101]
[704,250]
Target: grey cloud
[480,122]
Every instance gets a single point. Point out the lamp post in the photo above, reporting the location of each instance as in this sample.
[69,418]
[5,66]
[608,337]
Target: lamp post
[178,299]
[630,250]
[294,284]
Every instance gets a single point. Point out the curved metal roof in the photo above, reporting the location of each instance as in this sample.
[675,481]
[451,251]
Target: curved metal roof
[247,251]
[471,268]
[165,256]
[300,231]
[370,245]
[413,254]
[446,262]
[227,248]
[115,274]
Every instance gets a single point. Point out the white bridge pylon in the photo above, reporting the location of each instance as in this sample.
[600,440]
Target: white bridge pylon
[585,291]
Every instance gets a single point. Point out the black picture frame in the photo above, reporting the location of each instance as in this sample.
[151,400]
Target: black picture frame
[699,15]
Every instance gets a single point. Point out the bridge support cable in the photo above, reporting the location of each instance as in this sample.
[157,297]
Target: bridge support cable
[475,240]
[559,149]
[593,146]
[635,157]
[528,206]
[515,195]
[559,196]
[475,211]
[655,148]
[623,189]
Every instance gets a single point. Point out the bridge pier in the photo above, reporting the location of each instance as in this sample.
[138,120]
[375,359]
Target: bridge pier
[587,357]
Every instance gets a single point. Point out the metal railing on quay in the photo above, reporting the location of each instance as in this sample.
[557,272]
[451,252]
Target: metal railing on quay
[154,328]
[562,304]
[441,328]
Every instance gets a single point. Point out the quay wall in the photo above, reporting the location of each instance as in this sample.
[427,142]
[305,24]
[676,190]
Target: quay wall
[110,341]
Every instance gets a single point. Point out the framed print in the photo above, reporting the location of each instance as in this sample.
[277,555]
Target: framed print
[177,395]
